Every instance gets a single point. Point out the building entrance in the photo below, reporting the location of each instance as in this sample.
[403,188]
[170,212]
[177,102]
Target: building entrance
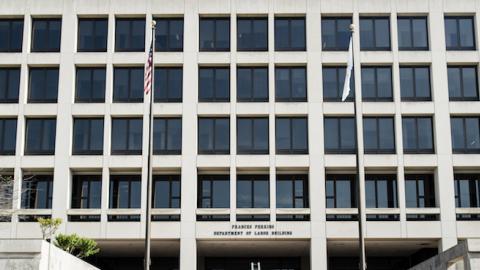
[272,263]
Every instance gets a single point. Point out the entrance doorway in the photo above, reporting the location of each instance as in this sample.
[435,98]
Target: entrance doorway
[283,263]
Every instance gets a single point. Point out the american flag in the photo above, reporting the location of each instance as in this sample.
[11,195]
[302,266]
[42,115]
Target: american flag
[148,72]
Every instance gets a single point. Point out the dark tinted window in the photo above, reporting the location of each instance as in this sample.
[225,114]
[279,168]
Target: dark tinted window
[340,191]
[37,191]
[252,84]
[333,81]
[9,85]
[46,35]
[419,190]
[459,33]
[166,191]
[253,191]
[415,83]
[213,191]
[90,85]
[465,134]
[8,136]
[252,135]
[169,35]
[128,84]
[336,34]
[86,191]
[252,34]
[213,135]
[40,137]
[417,135]
[214,34]
[375,33]
[127,136]
[467,190]
[412,33]
[290,34]
[292,191]
[88,136]
[377,84]
[11,35]
[167,136]
[43,86]
[462,83]
[125,191]
[291,135]
[214,84]
[130,35]
[92,35]
[381,191]
[168,84]
[379,135]
[290,84]
[339,135]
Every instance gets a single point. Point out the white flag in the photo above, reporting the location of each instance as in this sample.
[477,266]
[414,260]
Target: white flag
[348,73]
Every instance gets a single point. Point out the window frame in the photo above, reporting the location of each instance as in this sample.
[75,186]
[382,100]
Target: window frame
[215,40]
[464,150]
[412,47]
[130,99]
[252,98]
[48,20]
[290,48]
[167,130]
[9,36]
[39,152]
[392,189]
[169,20]
[473,183]
[44,70]
[414,77]
[457,27]
[26,198]
[290,88]
[252,179]
[77,195]
[252,150]
[292,178]
[375,48]
[353,189]
[291,151]
[130,34]
[113,200]
[215,99]
[89,132]
[428,197]
[461,69]
[339,80]
[123,151]
[4,133]
[170,179]
[91,99]
[214,151]
[378,132]
[340,150]
[251,19]
[211,178]
[94,20]
[168,99]
[418,150]
[335,48]
[8,70]
[376,86]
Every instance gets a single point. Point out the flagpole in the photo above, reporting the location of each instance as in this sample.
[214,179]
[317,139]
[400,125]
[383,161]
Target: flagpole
[361,241]
[148,219]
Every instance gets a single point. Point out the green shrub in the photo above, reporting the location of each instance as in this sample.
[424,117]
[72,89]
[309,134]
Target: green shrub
[78,246]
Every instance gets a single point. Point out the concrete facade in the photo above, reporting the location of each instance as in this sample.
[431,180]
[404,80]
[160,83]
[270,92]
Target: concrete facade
[188,235]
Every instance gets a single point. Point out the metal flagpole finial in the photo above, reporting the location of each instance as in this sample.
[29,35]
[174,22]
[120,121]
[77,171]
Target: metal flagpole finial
[154,24]
[352,27]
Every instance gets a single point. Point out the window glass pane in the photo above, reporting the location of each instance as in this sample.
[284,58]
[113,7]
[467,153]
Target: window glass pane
[382,33]
[366,34]
[136,84]
[469,82]
[404,33]
[244,83]
[466,32]
[135,135]
[96,140]
[370,133]
[244,134]
[411,193]
[299,90]
[384,80]
[472,133]
[382,194]
[51,84]
[299,134]
[49,131]
[454,82]
[282,83]
[205,134]
[119,134]
[80,135]
[206,83]
[260,34]
[135,194]
[422,82]
[343,33]
[284,194]
[282,34]
[297,33]
[222,135]
[425,136]
[207,34]
[261,194]
[451,32]
[40,36]
[222,84]
[368,83]
[244,194]
[174,140]
[419,27]
[176,34]
[101,34]
[261,134]
[162,194]
[54,35]
[370,194]
[331,133]
[330,83]
[175,83]
[282,134]
[16,36]
[85,34]
[244,35]
[98,90]
[406,82]
[347,127]
[33,141]
[409,134]
[4,35]
[221,194]
[386,134]
[37,85]
[137,39]
[95,193]
[458,133]
[223,34]
[343,194]
[9,135]
[260,84]
[465,193]
[121,84]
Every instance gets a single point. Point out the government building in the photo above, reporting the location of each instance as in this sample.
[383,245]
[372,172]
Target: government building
[254,153]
